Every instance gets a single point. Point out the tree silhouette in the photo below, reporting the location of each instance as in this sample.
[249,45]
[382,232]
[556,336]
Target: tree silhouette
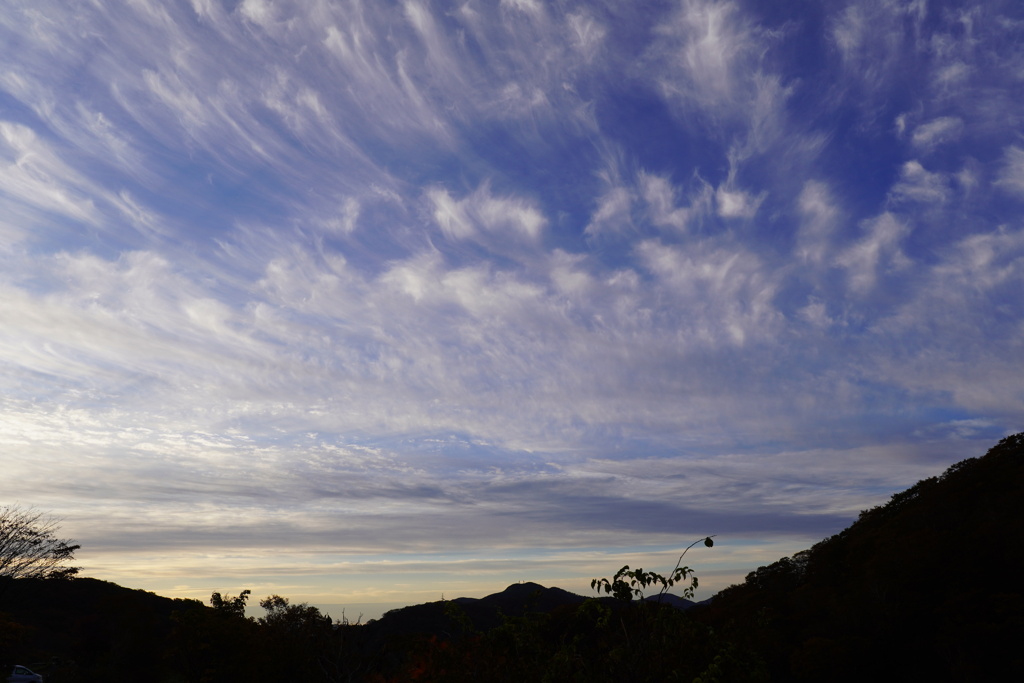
[233,607]
[30,548]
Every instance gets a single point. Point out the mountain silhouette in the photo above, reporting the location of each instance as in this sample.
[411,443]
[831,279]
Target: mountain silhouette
[462,616]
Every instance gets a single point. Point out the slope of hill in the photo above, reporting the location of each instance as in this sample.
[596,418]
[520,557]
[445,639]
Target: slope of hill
[86,625]
[925,587]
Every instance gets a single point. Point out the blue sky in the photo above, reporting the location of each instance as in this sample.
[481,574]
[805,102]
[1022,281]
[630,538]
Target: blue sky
[366,302]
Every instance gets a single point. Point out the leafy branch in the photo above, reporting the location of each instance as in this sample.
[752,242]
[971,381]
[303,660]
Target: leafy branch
[30,548]
[629,583]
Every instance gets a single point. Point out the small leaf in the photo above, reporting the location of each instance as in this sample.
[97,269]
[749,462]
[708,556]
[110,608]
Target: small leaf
[708,542]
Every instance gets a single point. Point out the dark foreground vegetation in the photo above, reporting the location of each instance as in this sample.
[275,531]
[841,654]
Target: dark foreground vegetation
[925,587]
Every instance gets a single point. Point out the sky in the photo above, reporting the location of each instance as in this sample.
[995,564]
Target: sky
[366,303]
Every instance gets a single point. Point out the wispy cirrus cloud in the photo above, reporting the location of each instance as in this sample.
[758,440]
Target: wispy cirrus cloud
[930,135]
[1011,175]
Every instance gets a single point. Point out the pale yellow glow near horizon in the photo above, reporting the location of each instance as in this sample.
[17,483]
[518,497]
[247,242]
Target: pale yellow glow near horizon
[320,580]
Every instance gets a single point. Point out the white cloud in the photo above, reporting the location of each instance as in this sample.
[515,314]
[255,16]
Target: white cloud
[300,106]
[952,75]
[928,136]
[519,216]
[876,254]
[441,55]
[920,185]
[952,339]
[873,31]
[142,218]
[850,31]
[816,313]
[1011,175]
[709,45]
[450,215]
[570,276]
[876,39]
[733,203]
[588,34]
[32,174]
[506,217]
[179,97]
[712,69]
[723,294]
[767,111]
[259,12]
[118,320]
[613,213]
[661,199]
[349,215]
[987,260]
[821,220]
[531,6]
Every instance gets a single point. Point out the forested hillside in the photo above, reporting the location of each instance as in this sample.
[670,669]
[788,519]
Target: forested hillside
[925,587]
